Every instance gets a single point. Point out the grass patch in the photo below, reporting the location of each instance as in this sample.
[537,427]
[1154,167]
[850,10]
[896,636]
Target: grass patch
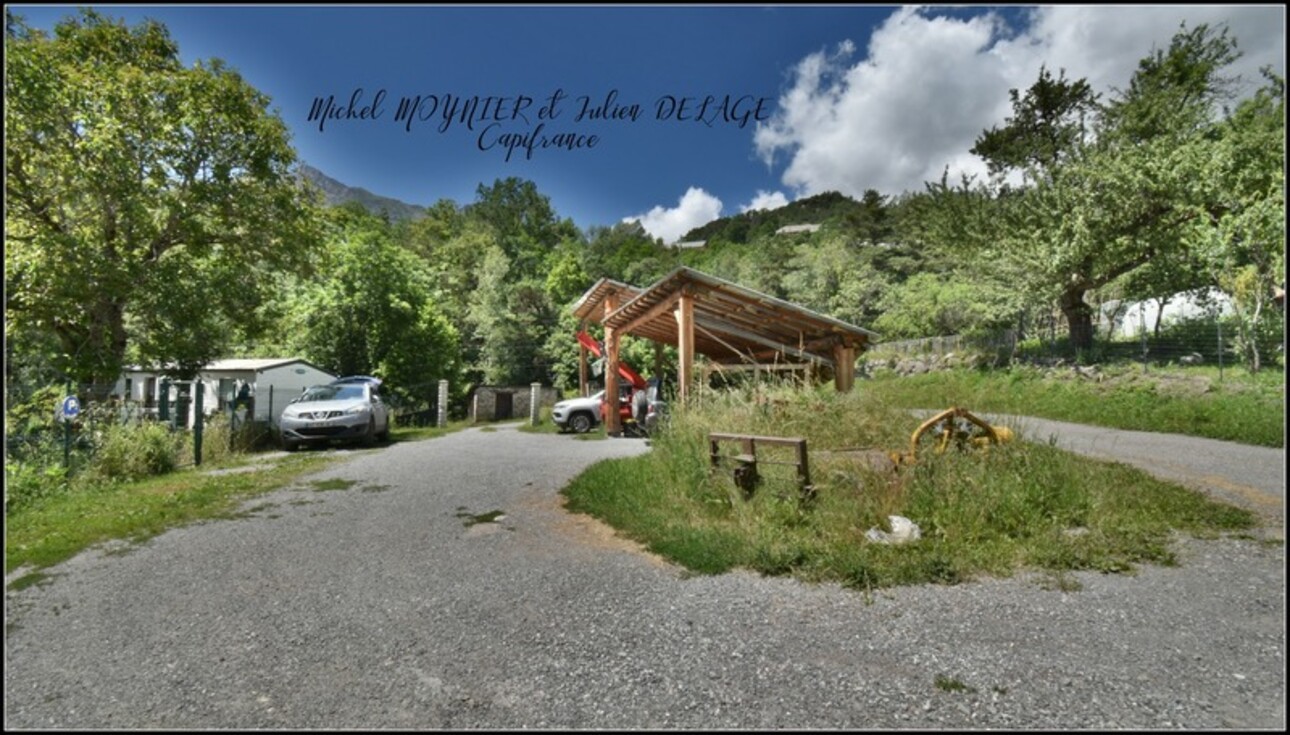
[335,483]
[544,425]
[1243,408]
[57,528]
[950,684]
[400,434]
[472,519]
[31,579]
[1020,505]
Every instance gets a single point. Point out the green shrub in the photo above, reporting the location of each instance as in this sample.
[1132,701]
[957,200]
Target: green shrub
[28,482]
[134,451]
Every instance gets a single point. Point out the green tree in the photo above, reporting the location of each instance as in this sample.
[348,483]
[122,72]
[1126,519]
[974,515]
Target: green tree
[510,322]
[124,171]
[1096,212]
[1048,126]
[527,227]
[371,311]
[1241,234]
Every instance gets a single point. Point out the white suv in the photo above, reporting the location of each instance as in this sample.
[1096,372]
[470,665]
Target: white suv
[579,415]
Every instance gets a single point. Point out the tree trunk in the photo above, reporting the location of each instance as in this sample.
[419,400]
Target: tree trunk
[1160,313]
[107,340]
[1079,318]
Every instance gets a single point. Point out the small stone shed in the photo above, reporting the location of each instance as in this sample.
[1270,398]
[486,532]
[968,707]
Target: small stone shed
[502,402]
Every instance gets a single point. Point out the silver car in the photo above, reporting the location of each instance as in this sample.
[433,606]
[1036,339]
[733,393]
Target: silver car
[343,412]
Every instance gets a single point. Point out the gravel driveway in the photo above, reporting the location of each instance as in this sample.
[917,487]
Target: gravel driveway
[381,606]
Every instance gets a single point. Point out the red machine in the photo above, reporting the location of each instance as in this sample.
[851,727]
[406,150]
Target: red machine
[631,376]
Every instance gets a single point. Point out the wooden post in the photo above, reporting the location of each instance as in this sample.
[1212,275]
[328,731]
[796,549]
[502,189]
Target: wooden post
[582,364]
[685,344]
[613,425]
[844,367]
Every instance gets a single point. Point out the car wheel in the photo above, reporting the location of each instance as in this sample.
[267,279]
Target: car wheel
[580,423]
[369,439]
[289,445]
[385,433]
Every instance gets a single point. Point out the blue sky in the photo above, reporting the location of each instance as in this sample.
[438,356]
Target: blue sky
[851,97]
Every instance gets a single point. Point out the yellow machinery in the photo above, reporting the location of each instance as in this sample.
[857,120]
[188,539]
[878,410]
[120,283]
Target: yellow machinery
[957,425]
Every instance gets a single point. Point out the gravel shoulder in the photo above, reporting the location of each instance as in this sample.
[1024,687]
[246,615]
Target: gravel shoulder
[387,606]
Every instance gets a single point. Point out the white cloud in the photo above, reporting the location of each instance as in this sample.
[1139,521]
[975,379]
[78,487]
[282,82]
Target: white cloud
[766,200]
[695,209]
[929,85]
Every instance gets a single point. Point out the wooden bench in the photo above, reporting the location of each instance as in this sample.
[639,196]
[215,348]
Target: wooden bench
[745,471]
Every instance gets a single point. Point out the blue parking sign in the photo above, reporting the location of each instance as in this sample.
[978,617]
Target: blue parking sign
[70,409]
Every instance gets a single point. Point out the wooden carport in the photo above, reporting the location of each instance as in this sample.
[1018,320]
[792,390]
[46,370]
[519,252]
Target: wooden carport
[725,322]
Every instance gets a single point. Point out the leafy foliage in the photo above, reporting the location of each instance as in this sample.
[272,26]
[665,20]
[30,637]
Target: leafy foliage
[369,311]
[126,171]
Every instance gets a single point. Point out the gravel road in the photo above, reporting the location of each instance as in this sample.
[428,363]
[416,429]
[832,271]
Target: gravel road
[379,606]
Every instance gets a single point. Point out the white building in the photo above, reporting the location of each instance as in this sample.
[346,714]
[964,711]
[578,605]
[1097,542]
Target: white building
[273,381]
[1131,319]
[794,229]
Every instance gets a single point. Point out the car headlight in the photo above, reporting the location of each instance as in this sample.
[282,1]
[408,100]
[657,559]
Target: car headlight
[356,410]
[291,413]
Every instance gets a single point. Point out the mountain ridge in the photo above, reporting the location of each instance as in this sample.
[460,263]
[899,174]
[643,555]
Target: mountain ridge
[336,192]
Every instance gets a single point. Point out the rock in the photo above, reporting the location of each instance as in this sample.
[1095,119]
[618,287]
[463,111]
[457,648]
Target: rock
[903,531]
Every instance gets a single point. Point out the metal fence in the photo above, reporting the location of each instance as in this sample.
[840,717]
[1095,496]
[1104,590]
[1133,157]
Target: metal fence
[39,428]
[1208,341]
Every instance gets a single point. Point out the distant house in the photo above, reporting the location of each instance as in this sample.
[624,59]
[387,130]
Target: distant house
[794,229]
[273,381]
[689,244]
[1121,320]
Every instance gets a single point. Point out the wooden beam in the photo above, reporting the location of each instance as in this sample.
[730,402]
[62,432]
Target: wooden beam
[844,368]
[582,371]
[613,426]
[751,337]
[685,344]
[654,312]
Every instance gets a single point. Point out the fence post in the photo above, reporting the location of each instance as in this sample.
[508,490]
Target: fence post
[269,418]
[534,392]
[67,434]
[163,404]
[1219,322]
[442,403]
[198,389]
[1142,331]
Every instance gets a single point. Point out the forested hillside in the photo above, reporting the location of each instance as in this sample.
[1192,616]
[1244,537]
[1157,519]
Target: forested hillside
[1167,186]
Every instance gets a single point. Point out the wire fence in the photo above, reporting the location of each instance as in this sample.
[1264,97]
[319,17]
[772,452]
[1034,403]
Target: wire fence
[1217,342]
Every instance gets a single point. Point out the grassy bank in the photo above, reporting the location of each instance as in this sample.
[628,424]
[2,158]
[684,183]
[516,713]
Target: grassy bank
[1243,408]
[1017,505]
[93,510]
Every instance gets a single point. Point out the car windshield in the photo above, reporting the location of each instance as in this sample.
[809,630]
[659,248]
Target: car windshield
[333,393]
